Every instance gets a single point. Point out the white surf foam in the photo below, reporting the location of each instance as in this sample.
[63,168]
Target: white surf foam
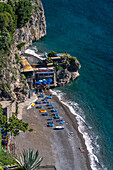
[82,127]
[31,52]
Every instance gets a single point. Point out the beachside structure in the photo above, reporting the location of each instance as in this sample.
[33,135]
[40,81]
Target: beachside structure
[34,74]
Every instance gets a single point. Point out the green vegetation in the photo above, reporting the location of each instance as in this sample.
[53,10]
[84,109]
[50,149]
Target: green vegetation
[35,9]
[13,125]
[6,158]
[58,68]
[52,54]
[17,58]
[19,46]
[15,13]
[31,129]
[28,160]
[23,11]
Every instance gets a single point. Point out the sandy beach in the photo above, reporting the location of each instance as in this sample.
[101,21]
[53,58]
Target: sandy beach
[57,147]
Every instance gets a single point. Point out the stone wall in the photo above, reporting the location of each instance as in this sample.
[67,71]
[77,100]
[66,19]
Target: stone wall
[11,109]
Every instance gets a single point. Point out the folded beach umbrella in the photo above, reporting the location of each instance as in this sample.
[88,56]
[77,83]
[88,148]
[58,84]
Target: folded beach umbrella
[33,104]
[43,111]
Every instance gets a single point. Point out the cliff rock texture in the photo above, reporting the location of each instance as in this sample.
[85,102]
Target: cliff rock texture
[12,83]
[34,29]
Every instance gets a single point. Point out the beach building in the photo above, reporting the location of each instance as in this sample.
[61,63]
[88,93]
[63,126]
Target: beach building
[35,73]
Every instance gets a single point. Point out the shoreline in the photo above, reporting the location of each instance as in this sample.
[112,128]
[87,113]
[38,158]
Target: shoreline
[75,125]
[54,149]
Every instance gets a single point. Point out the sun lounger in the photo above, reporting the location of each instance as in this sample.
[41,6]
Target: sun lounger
[49,97]
[50,125]
[50,122]
[61,122]
[54,110]
[39,107]
[38,102]
[51,118]
[56,117]
[45,114]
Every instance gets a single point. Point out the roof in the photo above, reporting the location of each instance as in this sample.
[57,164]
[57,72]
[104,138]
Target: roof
[55,57]
[26,66]
[42,72]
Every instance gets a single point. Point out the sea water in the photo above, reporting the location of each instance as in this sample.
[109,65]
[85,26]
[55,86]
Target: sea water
[84,28]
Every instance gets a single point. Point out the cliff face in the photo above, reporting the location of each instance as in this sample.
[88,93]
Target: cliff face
[34,29]
[12,83]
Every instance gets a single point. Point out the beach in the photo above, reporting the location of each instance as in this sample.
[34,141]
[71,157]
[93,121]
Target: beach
[57,147]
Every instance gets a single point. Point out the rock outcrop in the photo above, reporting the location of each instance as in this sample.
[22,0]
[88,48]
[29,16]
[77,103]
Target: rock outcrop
[64,77]
[69,72]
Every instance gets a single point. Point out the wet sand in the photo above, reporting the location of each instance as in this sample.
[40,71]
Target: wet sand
[57,147]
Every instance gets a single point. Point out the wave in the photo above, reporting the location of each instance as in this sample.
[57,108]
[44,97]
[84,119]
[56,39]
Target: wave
[84,129]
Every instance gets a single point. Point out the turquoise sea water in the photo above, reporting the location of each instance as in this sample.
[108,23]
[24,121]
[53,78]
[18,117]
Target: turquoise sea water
[84,28]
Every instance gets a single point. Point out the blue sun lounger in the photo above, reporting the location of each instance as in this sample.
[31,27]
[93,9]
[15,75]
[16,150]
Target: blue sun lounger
[50,125]
[45,114]
[54,110]
[51,118]
[39,107]
[49,97]
[38,102]
[61,122]
[50,104]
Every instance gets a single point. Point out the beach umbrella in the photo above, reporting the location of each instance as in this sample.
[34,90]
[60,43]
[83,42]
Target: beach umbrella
[2,130]
[56,55]
[40,81]
[37,82]
[44,79]
[50,80]
[43,83]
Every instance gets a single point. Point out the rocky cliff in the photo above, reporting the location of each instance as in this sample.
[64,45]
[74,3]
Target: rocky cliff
[12,83]
[34,29]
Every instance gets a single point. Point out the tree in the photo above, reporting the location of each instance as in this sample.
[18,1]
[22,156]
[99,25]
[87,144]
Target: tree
[23,11]
[13,125]
[5,40]
[6,22]
[4,7]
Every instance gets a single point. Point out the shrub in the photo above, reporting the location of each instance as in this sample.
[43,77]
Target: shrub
[19,46]
[6,158]
[52,54]
[5,41]
[35,9]
[58,68]
[30,130]
[17,58]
